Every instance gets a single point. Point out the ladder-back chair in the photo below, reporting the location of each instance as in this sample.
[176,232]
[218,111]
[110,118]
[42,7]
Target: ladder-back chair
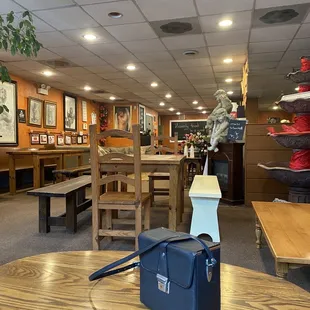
[161,176]
[117,165]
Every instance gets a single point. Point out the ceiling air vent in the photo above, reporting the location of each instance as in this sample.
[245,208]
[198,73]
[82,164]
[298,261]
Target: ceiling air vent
[279,16]
[58,63]
[99,92]
[190,53]
[176,27]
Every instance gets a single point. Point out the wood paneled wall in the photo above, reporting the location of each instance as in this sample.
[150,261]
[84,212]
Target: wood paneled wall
[260,148]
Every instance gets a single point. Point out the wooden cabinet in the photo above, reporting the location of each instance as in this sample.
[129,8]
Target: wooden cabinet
[227,165]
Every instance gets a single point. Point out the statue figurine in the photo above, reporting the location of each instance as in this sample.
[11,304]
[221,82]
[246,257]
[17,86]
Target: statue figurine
[220,128]
[223,102]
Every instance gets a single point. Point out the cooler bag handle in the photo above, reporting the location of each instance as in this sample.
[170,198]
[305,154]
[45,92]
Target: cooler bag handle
[106,271]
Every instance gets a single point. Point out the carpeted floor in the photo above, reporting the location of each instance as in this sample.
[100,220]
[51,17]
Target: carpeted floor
[19,235]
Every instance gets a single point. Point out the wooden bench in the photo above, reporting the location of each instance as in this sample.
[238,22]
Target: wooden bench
[287,232]
[74,192]
[70,172]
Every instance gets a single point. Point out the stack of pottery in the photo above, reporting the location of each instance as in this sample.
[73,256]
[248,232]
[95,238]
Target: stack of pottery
[296,173]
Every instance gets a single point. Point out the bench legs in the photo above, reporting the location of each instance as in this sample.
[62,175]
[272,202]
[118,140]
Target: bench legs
[258,233]
[44,214]
[71,213]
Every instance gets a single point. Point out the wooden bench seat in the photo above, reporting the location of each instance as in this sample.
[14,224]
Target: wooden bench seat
[69,172]
[74,193]
[287,232]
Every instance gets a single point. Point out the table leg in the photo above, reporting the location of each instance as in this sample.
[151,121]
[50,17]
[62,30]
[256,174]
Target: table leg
[12,175]
[281,270]
[173,196]
[258,233]
[81,196]
[42,175]
[180,209]
[71,214]
[44,214]
[36,171]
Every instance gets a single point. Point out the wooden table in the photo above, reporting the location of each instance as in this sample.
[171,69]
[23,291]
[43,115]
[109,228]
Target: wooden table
[38,157]
[59,281]
[286,227]
[174,164]
[196,161]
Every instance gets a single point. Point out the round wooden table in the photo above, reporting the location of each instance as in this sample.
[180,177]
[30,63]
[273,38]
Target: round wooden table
[57,281]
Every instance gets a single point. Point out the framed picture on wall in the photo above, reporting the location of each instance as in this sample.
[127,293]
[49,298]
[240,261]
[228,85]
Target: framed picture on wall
[35,108]
[68,140]
[50,114]
[79,139]
[60,140]
[70,113]
[43,139]
[85,138]
[35,138]
[73,140]
[84,126]
[142,117]
[8,114]
[51,139]
[21,113]
[84,111]
[122,117]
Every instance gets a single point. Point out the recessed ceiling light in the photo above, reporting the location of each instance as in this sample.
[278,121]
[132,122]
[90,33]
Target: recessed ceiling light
[227,61]
[275,107]
[87,88]
[47,73]
[89,37]
[230,92]
[168,96]
[228,80]
[225,23]
[112,98]
[297,88]
[131,67]
[200,108]
[204,112]
[154,84]
[115,15]
[171,109]
[195,102]
[162,104]
[178,113]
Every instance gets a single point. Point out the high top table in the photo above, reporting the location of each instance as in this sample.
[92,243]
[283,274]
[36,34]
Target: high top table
[59,281]
[38,157]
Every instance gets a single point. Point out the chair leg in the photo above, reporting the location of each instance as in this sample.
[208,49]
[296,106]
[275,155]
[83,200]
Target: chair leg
[138,225]
[108,222]
[147,215]
[151,190]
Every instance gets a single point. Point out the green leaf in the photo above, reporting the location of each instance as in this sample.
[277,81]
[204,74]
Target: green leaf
[13,50]
[27,23]
[1,109]
[1,20]
[21,24]
[10,17]
[5,44]
[26,13]
[6,108]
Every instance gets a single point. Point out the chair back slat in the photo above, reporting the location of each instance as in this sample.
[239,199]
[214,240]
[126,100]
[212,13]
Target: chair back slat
[117,177]
[117,158]
[163,148]
[137,161]
[115,133]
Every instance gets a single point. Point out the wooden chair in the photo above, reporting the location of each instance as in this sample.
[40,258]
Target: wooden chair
[117,165]
[161,176]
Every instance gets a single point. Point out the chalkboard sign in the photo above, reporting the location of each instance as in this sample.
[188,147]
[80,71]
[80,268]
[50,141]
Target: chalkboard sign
[184,127]
[236,130]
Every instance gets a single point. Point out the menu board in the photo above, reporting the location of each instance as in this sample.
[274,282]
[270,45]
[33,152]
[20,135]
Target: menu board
[236,130]
[183,127]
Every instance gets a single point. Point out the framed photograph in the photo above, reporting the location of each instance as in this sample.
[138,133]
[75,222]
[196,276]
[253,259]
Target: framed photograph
[79,139]
[73,140]
[142,117]
[51,139]
[50,114]
[35,109]
[35,138]
[84,111]
[122,117]
[70,115]
[85,139]
[8,114]
[60,140]
[21,113]
[84,126]
[68,140]
[43,139]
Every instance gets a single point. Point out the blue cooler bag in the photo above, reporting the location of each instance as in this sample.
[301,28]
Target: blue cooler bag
[177,271]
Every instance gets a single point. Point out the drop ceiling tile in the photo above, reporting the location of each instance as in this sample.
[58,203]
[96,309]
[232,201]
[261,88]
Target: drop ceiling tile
[273,46]
[300,44]
[260,4]
[150,57]
[131,32]
[100,13]
[200,69]
[304,32]
[44,4]
[102,36]
[211,7]
[227,50]
[227,37]
[121,60]
[89,61]
[228,68]
[174,73]
[112,76]
[185,41]
[293,55]
[263,66]
[40,25]
[107,49]
[145,46]
[307,19]
[71,51]
[8,5]
[273,33]
[237,59]
[202,52]
[54,39]
[67,18]
[45,54]
[194,62]
[74,71]
[262,57]
[29,65]
[241,21]
[201,78]
[162,65]
[101,69]
[141,74]
[163,9]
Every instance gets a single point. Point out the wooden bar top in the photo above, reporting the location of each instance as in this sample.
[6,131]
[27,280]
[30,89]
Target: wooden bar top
[286,227]
[60,281]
